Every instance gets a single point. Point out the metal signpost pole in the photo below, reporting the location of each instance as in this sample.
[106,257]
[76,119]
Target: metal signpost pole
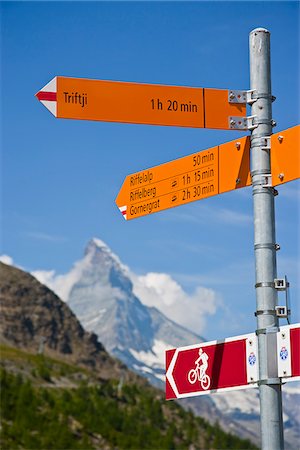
[264,240]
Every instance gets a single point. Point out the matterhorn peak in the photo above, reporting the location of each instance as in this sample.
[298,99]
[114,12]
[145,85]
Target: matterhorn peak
[97,253]
[96,244]
[97,247]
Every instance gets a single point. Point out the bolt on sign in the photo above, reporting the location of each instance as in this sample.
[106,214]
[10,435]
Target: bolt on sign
[212,367]
[153,104]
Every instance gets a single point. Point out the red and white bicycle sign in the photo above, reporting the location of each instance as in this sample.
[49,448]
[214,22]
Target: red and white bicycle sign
[199,372]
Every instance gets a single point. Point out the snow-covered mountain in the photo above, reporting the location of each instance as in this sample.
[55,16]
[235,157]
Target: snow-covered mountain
[99,289]
[101,295]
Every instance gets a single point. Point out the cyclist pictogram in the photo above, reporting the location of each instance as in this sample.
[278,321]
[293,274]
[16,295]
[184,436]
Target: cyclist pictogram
[199,372]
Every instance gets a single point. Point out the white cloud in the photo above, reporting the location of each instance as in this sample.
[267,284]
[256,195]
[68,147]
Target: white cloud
[153,289]
[60,284]
[7,260]
[45,277]
[163,292]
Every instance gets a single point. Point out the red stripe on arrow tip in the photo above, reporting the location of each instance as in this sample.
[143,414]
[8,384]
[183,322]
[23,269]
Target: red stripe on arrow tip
[49,96]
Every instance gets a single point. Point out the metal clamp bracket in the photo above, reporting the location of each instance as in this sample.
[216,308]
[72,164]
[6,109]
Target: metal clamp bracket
[262,121]
[254,96]
[238,96]
[269,381]
[265,284]
[263,142]
[268,246]
[242,123]
[282,312]
[265,180]
[259,172]
[275,193]
[281,284]
[266,330]
[265,312]
[249,97]
[266,143]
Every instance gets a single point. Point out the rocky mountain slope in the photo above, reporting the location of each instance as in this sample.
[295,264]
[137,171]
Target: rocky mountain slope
[34,318]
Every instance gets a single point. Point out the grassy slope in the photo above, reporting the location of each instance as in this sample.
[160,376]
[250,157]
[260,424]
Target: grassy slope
[48,404]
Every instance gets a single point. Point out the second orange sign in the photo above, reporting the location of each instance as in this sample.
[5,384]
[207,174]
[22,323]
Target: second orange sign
[193,177]
[205,174]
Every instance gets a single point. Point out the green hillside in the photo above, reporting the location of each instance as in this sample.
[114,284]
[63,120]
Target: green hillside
[49,404]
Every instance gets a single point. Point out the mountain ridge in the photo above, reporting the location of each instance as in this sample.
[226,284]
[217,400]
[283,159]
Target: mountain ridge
[46,323]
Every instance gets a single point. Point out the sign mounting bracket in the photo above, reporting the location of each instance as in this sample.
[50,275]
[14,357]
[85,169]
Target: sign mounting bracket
[242,123]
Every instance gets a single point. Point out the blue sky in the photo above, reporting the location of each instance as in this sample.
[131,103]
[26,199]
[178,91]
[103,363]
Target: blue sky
[60,177]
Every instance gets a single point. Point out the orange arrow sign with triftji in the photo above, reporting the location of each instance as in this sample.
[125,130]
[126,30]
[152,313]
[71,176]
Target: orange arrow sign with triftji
[140,103]
[217,170]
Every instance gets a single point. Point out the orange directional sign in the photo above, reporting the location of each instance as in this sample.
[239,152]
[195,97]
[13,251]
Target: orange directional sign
[204,174]
[153,104]
[285,156]
[194,177]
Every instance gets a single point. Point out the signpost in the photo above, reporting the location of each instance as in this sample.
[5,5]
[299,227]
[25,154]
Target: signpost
[212,367]
[220,169]
[271,354]
[152,104]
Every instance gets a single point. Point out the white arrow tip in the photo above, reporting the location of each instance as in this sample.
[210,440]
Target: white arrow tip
[48,96]
[123,210]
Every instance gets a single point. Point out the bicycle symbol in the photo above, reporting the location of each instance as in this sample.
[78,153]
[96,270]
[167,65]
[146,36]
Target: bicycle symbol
[199,372]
